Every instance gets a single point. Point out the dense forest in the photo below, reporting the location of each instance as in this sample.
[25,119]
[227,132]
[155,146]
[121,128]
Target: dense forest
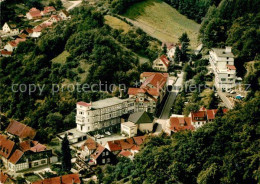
[225,151]
[89,42]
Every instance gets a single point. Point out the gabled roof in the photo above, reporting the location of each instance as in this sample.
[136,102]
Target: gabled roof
[26,145]
[90,144]
[157,80]
[126,144]
[6,146]
[38,148]
[21,130]
[56,17]
[165,61]
[140,117]
[180,123]
[48,9]
[15,157]
[134,91]
[98,152]
[65,179]
[34,12]
[125,153]
[199,114]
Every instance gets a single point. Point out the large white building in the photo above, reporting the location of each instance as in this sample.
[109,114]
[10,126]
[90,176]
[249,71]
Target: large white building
[103,113]
[222,63]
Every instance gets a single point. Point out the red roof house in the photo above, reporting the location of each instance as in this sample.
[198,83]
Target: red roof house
[65,179]
[20,130]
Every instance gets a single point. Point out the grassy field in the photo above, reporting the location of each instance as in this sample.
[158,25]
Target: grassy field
[61,58]
[117,23]
[162,21]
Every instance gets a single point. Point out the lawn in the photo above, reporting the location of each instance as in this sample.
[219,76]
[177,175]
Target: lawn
[162,21]
[117,23]
[61,58]
[32,177]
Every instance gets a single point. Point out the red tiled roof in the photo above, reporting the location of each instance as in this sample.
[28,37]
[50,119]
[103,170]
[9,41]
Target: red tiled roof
[114,145]
[6,146]
[37,29]
[84,104]
[56,17]
[48,9]
[98,152]
[3,177]
[15,157]
[125,153]
[134,91]
[21,130]
[157,80]
[28,145]
[34,12]
[165,61]
[129,143]
[66,179]
[90,144]
[29,30]
[148,74]
[199,114]
[22,35]
[231,67]
[180,123]
[4,52]
[38,148]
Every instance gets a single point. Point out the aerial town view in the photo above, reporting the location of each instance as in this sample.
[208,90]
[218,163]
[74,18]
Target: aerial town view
[130,92]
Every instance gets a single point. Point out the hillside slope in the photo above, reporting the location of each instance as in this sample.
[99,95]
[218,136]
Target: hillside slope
[162,21]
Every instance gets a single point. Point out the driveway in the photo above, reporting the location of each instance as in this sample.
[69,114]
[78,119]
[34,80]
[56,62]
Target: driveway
[171,97]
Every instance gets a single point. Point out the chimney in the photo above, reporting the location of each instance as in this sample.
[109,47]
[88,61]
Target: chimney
[228,49]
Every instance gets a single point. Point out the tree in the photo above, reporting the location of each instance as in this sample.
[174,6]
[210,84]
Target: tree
[164,48]
[184,38]
[66,154]
[177,55]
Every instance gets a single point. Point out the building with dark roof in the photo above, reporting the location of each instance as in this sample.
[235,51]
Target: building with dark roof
[143,120]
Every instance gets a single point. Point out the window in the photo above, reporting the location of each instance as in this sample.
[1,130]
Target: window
[108,160]
[103,161]
[107,153]
[228,75]
[223,79]
[103,153]
[43,161]
[36,163]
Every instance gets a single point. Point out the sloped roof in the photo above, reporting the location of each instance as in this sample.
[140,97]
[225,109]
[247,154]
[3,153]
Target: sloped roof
[65,12]
[98,152]
[6,146]
[140,117]
[157,80]
[180,123]
[84,104]
[38,148]
[231,67]
[165,61]
[15,157]
[134,91]
[4,52]
[48,9]
[3,177]
[34,12]
[90,144]
[125,153]
[20,130]
[66,179]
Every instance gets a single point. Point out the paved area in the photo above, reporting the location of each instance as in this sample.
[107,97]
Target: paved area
[171,97]
[75,3]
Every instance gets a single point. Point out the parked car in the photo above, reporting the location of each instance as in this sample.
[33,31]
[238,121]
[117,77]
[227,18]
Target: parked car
[97,136]
[232,92]
[108,133]
[102,136]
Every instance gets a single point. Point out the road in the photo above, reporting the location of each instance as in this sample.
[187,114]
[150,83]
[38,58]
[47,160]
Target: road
[171,97]
[225,99]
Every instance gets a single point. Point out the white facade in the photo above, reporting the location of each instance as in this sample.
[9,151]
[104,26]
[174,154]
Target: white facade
[129,128]
[9,47]
[159,65]
[222,63]
[102,113]
[170,53]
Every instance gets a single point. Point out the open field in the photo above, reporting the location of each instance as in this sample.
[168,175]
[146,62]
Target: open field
[61,58]
[117,23]
[162,21]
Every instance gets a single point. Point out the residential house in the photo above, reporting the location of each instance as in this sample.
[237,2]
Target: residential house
[65,179]
[127,154]
[88,147]
[64,15]
[143,121]
[222,63]
[54,19]
[102,156]
[5,53]
[131,144]
[203,116]
[33,13]
[129,129]
[10,28]
[161,64]
[37,30]
[27,32]
[48,10]
[20,130]
[151,92]
[102,114]
[176,124]
[171,47]
[12,45]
